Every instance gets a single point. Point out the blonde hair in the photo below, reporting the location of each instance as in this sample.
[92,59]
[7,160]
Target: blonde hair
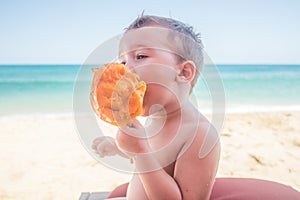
[191,42]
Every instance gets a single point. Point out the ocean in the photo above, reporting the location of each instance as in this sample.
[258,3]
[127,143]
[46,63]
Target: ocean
[49,89]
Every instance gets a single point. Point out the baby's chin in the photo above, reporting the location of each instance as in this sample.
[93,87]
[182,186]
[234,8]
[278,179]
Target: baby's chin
[152,110]
[147,108]
[150,105]
[145,111]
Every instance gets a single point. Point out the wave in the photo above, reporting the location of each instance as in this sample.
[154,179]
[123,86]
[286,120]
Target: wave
[260,108]
[238,109]
[38,115]
[13,80]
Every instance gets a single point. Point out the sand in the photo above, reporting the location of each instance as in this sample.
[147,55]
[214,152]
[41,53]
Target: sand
[42,156]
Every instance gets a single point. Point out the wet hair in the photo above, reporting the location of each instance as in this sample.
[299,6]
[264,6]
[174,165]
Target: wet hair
[190,40]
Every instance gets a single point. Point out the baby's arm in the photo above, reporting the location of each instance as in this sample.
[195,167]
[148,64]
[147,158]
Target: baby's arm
[157,184]
[152,181]
[194,175]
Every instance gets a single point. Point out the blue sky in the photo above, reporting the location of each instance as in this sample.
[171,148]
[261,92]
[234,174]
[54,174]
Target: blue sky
[68,31]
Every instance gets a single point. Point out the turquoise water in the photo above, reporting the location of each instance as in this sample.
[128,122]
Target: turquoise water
[36,88]
[27,89]
[260,86]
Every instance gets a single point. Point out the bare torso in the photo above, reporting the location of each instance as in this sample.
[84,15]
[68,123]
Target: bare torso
[168,142]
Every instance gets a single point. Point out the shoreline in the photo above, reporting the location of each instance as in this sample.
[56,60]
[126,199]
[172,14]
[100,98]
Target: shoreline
[44,158]
[227,111]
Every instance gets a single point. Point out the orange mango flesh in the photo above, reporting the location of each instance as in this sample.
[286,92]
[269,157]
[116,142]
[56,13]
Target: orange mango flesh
[117,94]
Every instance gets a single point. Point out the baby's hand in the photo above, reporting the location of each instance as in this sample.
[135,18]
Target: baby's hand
[133,139]
[105,146]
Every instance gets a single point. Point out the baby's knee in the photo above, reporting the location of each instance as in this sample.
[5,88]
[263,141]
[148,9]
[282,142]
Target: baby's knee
[119,191]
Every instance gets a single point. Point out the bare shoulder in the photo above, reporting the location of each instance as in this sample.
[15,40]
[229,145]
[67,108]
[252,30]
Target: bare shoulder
[201,141]
[197,163]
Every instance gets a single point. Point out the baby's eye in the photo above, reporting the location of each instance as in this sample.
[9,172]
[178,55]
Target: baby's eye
[123,63]
[141,56]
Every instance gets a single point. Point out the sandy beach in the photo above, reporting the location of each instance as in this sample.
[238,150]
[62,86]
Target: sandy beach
[42,156]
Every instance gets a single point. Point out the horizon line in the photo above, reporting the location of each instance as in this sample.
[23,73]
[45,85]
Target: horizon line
[287,63]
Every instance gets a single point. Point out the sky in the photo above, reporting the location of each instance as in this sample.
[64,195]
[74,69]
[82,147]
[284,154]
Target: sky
[66,32]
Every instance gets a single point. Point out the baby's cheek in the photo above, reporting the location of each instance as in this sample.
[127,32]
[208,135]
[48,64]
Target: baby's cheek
[157,74]
[157,94]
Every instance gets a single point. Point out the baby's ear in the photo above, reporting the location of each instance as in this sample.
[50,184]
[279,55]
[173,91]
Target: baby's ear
[187,71]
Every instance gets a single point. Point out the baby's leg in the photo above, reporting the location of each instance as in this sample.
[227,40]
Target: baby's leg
[119,191]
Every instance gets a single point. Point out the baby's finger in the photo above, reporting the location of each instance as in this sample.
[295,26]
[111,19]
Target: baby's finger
[94,146]
[101,154]
[98,149]
[135,130]
[98,140]
[103,150]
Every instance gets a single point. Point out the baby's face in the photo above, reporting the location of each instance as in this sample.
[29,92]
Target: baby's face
[147,52]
